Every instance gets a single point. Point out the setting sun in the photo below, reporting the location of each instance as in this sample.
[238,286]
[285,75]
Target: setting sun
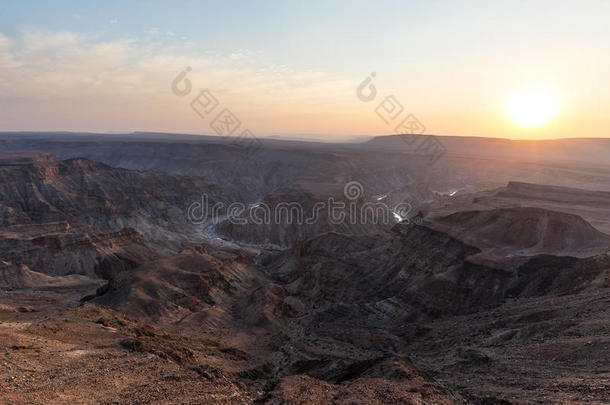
[531,109]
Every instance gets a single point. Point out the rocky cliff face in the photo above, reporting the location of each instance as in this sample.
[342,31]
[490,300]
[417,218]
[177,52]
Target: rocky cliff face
[340,313]
[20,276]
[81,191]
[416,272]
[245,178]
[525,231]
[319,201]
[82,217]
[60,249]
[477,300]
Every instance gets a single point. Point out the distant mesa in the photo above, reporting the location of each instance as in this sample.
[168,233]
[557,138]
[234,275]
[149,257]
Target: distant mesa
[534,230]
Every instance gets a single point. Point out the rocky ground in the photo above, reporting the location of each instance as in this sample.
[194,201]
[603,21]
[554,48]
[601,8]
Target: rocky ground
[525,351]
[108,295]
[51,354]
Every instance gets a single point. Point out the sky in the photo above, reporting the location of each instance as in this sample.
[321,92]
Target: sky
[293,68]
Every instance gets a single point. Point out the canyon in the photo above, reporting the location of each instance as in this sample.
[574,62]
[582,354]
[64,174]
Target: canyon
[493,287]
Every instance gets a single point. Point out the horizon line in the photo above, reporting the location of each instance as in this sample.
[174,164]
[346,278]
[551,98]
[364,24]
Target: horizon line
[294,137]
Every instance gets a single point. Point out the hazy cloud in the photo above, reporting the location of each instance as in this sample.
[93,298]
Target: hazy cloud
[7,59]
[42,69]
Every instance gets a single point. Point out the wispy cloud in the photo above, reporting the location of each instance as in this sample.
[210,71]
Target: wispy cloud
[41,69]
[7,59]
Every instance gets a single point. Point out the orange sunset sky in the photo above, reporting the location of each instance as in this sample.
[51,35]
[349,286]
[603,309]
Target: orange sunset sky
[523,70]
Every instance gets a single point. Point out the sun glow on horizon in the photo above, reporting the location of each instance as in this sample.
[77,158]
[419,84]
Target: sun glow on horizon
[533,108]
